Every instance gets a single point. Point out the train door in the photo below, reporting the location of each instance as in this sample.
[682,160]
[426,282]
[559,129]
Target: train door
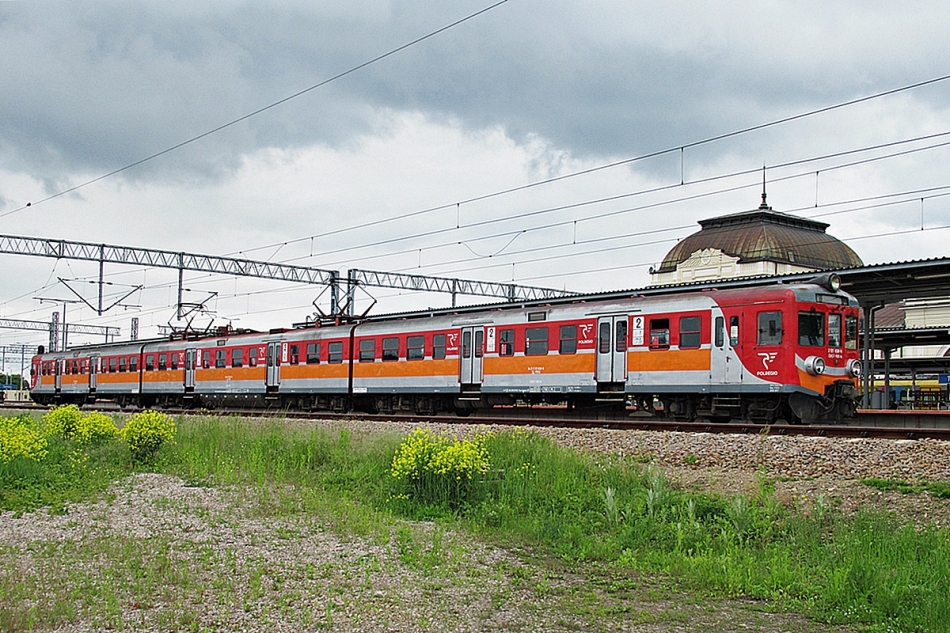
[58,370]
[93,373]
[612,349]
[273,365]
[726,368]
[473,339]
[190,356]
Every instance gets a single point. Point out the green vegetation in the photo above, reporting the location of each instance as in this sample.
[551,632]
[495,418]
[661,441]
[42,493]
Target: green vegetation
[68,455]
[939,489]
[518,488]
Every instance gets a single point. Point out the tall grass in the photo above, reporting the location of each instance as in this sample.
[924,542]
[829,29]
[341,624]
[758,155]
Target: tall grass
[864,569]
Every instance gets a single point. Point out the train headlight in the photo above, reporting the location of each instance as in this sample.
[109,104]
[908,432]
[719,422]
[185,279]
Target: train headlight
[815,365]
[854,368]
[834,282]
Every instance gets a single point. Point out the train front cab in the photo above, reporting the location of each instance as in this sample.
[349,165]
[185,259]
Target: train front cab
[800,342]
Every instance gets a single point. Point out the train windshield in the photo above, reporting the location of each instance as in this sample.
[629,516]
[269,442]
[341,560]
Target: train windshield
[834,330]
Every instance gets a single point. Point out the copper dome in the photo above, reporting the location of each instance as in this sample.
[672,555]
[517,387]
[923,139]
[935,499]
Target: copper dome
[766,235]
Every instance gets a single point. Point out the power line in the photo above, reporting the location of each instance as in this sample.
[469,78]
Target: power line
[711,179]
[626,161]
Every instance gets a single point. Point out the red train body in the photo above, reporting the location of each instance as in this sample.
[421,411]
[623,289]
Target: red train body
[760,354]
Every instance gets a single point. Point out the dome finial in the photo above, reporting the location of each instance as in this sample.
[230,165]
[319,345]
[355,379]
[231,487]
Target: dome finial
[764,206]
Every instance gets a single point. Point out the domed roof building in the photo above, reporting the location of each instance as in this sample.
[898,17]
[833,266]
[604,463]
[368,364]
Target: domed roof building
[751,243]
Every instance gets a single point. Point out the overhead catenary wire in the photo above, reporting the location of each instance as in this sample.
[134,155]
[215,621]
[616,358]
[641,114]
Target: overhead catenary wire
[626,161]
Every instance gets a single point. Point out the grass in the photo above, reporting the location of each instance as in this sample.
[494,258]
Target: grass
[614,515]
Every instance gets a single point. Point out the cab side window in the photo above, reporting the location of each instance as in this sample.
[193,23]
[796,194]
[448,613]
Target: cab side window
[770,328]
[851,333]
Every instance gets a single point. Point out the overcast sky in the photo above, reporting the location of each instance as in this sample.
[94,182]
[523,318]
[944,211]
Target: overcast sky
[525,92]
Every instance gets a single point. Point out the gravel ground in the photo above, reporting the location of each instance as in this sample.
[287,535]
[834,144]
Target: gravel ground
[248,560]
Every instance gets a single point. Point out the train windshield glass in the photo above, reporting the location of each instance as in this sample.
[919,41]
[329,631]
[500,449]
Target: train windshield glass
[834,330]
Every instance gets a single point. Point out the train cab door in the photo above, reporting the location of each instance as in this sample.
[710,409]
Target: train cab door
[470,371]
[273,366]
[191,356]
[726,367]
[93,373]
[611,352]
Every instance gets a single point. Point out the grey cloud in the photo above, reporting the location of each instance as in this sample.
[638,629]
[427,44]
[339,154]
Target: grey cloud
[96,86]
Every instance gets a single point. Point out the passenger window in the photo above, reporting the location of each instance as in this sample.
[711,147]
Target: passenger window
[252,357]
[604,335]
[536,341]
[506,345]
[851,333]
[390,348]
[237,358]
[206,360]
[770,328]
[220,358]
[313,353]
[174,356]
[335,352]
[811,329]
[438,346]
[689,332]
[294,354]
[149,362]
[416,348]
[112,365]
[122,364]
[659,333]
[620,344]
[834,330]
[568,342]
[367,351]
[162,362]
[134,363]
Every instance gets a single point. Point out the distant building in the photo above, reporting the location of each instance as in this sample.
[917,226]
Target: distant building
[753,243]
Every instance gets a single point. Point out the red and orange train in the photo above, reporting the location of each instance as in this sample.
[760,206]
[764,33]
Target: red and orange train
[761,354]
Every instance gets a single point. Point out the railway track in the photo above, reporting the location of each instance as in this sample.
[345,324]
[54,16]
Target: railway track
[895,425]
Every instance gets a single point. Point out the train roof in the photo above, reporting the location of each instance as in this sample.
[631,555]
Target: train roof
[788,282]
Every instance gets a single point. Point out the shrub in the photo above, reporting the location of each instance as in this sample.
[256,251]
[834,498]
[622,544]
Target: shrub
[18,438]
[72,424]
[145,433]
[62,421]
[439,469]
[95,428]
